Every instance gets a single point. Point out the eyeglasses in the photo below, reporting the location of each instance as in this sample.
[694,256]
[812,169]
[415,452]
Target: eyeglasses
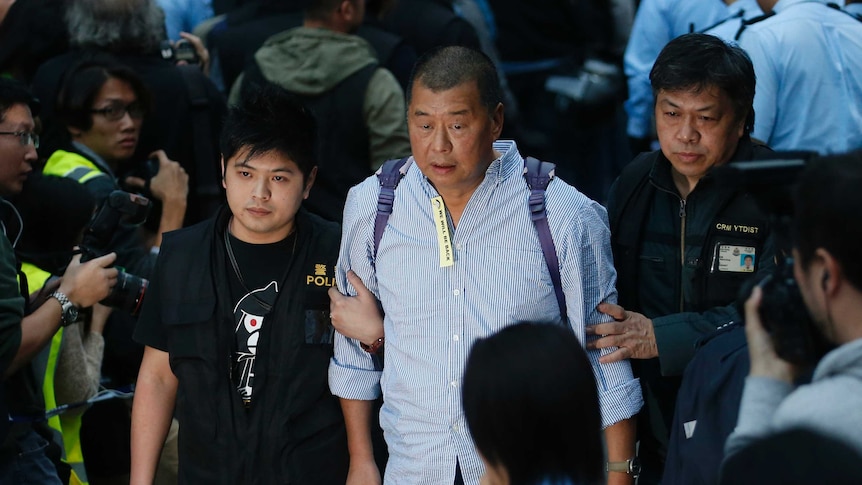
[24,136]
[116,111]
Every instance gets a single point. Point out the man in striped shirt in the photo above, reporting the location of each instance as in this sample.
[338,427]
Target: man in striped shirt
[459,259]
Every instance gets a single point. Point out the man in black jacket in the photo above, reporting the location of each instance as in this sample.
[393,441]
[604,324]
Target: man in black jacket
[680,236]
[237,324]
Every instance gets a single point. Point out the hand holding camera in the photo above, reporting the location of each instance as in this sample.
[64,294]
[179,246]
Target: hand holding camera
[89,282]
[764,360]
[188,50]
[170,183]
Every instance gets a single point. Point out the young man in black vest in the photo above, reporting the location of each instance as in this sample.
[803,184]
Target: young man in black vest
[679,235]
[236,320]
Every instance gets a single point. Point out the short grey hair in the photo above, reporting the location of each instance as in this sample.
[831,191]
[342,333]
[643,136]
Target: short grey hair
[118,26]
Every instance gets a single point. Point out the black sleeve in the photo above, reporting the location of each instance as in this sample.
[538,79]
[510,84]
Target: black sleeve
[149,329]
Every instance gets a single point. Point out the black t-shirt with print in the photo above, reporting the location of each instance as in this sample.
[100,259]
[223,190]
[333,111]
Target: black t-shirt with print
[262,268]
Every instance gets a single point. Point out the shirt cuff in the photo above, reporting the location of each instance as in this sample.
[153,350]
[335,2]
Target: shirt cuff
[621,403]
[349,382]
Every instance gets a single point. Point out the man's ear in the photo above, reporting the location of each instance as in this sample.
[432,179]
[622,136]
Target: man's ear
[346,9]
[309,181]
[497,118]
[832,275]
[75,132]
[221,162]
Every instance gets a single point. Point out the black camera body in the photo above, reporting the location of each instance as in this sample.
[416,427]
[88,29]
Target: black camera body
[784,317]
[182,50]
[782,311]
[119,206]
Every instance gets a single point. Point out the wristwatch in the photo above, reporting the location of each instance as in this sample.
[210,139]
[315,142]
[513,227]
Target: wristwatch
[70,311]
[632,467]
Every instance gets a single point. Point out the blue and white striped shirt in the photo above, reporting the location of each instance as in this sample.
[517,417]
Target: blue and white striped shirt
[433,314]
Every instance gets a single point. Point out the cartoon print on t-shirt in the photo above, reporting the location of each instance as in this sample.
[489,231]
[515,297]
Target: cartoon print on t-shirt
[249,315]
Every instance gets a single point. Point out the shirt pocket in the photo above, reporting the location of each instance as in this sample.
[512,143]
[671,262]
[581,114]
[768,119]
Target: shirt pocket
[316,321]
[730,262]
[191,328]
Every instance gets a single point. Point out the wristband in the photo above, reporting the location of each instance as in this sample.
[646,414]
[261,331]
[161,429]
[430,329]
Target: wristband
[374,348]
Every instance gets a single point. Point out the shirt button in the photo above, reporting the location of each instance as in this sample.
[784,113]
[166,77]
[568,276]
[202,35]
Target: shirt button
[455,337]
[454,383]
[458,246]
[455,428]
[456,292]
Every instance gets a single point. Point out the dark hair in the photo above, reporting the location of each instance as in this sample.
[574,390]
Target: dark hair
[827,206]
[444,68]
[531,404]
[54,211]
[14,92]
[320,9]
[81,86]
[700,61]
[270,118]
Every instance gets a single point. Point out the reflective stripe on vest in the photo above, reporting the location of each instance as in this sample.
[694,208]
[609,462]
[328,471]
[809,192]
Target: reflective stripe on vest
[73,166]
[65,428]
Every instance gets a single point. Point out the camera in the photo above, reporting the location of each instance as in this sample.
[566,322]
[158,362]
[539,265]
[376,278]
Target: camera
[784,317]
[183,50]
[782,311]
[119,206]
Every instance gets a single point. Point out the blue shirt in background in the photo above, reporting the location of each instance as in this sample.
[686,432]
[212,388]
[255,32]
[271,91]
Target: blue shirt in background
[808,60]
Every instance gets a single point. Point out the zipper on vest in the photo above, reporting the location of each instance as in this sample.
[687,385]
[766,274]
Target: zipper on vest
[682,254]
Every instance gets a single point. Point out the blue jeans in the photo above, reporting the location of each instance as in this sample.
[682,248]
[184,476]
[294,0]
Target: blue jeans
[30,465]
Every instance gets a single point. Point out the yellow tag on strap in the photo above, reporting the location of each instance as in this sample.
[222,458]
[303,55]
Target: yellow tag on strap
[444,240]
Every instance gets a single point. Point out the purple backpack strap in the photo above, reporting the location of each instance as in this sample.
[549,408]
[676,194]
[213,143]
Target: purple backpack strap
[538,175]
[389,175]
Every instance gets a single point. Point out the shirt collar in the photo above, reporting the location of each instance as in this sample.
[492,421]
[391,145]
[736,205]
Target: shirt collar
[784,4]
[508,163]
[99,161]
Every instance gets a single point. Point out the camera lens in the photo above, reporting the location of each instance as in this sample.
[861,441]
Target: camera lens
[128,293]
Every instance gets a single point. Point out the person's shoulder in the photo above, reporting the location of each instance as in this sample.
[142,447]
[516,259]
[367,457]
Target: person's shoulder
[633,175]
[188,236]
[319,226]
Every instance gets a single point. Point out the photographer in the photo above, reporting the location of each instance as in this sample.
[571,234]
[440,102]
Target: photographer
[22,451]
[187,109]
[102,105]
[828,270]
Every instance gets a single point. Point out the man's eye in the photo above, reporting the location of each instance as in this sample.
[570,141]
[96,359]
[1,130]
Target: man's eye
[457,126]
[245,174]
[278,178]
[670,113]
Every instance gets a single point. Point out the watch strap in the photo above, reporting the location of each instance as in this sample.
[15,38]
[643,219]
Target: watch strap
[69,311]
[375,347]
[631,466]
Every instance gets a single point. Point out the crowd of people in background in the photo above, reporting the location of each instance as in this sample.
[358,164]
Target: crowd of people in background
[430,241]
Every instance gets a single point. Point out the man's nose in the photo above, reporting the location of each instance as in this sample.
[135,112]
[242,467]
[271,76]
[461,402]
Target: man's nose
[261,189]
[687,131]
[440,140]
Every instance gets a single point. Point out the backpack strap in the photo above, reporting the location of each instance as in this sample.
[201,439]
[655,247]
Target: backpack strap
[389,175]
[208,186]
[538,175]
